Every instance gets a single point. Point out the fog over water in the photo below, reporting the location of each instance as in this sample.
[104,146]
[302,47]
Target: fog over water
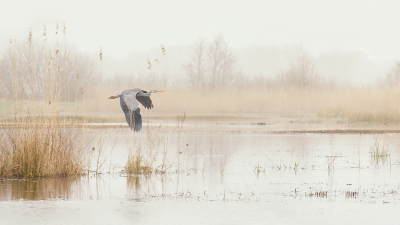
[283,111]
[351,41]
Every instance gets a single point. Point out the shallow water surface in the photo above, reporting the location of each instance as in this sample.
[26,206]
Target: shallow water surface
[225,177]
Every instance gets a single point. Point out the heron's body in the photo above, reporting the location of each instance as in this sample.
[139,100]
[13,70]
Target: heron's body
[129,100]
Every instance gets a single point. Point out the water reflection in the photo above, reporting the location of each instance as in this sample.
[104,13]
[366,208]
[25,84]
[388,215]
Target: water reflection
[142,186]
[42,189]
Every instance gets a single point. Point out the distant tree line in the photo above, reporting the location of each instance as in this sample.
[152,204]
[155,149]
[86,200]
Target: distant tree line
[214,66]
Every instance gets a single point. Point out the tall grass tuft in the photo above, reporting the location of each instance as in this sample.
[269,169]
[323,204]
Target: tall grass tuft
[40,146]
[138,163]
[151,156]
[142,157]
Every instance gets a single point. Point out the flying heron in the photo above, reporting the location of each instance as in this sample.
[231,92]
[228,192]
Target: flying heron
[129,100]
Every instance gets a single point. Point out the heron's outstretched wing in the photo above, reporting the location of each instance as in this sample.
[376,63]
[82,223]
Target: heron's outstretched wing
[130,106]
[145,101]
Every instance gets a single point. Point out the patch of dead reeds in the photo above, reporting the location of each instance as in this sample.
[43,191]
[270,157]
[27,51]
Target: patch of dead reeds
[41,146]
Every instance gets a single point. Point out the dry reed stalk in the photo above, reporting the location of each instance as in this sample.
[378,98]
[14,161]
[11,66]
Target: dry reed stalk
[224,161]
[103,145]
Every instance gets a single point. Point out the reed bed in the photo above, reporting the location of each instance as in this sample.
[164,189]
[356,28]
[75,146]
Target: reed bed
[41,146]
[358,104]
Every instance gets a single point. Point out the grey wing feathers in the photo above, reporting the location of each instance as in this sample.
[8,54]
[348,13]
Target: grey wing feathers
[130,106]
[145,101]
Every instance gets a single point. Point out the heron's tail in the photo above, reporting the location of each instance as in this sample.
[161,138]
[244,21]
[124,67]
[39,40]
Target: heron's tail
[138,120]
[134,119]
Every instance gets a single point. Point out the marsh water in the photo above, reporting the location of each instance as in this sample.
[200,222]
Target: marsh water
[231,173]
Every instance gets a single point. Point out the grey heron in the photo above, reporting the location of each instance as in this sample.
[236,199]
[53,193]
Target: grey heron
[129,101]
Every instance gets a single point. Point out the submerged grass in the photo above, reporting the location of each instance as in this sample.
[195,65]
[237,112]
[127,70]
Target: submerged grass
[138,162]
[151,156]
[379,152]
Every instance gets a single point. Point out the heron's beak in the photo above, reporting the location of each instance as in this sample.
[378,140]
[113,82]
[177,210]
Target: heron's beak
[111,97]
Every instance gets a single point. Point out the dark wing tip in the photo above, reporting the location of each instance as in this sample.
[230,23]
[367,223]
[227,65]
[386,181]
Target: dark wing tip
[134,120]
[138,120]
[145,101]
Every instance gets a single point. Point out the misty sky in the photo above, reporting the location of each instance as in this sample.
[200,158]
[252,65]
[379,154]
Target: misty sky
[123,27]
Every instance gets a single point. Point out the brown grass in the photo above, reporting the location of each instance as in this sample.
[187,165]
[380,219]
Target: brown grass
[142,157]
[356,104]
[39,146]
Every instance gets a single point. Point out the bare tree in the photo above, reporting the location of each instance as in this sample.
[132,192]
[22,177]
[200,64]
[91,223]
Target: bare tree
[211,66]
[229,71]
[301,74]
[195,69]
[392,78]
[222,64]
